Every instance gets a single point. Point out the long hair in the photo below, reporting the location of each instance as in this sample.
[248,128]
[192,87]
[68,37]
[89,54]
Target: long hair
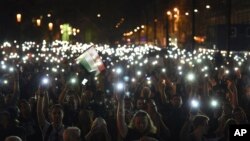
[141,113]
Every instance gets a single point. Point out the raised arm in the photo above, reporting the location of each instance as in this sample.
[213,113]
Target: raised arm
[16,87]
[121,124]
[63,94]
[40,105]
[15,95]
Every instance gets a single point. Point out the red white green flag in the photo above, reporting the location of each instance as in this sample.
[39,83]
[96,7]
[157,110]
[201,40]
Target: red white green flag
[91,61]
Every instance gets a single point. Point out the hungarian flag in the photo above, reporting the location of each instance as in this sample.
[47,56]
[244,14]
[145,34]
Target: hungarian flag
[91,61]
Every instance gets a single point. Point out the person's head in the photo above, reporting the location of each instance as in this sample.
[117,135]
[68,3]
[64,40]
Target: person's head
[98,125]
[99,122]
[176,101]
[142,122]
[145,92]
[239,115]
[72,134]
[24,107]
[85,119]
[229,122]
[57,114]
[200,122]
[140,104]
[13,138]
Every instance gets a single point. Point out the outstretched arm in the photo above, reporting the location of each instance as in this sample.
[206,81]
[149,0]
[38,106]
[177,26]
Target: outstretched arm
[121,124]
[63,94]
[40,105]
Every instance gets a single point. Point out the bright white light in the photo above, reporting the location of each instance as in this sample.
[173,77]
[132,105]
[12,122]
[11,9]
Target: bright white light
[139,73]
[127,93]
[73,80]
[4,66]
[45,81]
[84,81]
[133,80]
[119,86]
[195,103]
[214,103]
[126,78]
[5,81]
[118,70]
[11,69]
[163,70]
[190,77]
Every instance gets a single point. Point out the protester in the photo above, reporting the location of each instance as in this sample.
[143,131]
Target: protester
[72,134]
[51,131]
[161,96]
[13,138]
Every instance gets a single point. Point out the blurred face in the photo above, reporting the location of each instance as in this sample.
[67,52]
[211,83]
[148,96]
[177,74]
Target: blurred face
[141,123]
[25,108]
[176,101]
[238,116]
[146,92]
[140,104]
[57,116]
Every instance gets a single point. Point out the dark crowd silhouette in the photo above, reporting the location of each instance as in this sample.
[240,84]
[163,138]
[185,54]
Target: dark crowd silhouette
[45,100]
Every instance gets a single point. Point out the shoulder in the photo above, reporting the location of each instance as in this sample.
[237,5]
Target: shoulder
[46,127]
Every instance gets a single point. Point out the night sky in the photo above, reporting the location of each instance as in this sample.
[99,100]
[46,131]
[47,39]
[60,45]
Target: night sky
[72,11]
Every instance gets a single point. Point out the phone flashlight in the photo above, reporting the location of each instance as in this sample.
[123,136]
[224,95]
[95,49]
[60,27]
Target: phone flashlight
[214,103]
[5,82]
[11,69]
[73,80]
[195,103]
[119,86]
[190,77]
[118,71]
[84,81]
[45,81]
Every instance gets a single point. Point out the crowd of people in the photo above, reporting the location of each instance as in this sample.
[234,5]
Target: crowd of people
[165,95]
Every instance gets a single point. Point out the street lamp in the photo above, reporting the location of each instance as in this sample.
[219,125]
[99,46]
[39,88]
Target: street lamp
[50,26]
[38,22]
[18,17]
